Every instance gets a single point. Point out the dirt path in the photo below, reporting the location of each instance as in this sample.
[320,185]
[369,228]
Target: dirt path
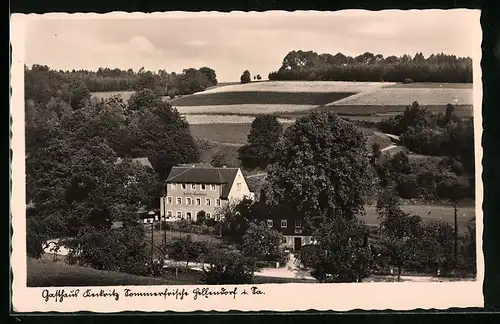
[257,175]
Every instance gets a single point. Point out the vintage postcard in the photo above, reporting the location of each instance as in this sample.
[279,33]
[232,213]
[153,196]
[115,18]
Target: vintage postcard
[272,161]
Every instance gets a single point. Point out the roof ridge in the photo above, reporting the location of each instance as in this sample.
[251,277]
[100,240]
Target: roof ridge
[175,176]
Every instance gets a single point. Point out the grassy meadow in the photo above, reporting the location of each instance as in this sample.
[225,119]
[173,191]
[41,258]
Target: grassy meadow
[259,98]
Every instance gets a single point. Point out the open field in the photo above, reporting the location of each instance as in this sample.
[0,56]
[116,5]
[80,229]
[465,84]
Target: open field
[229,133]
[243,109]
[428,213]
[432,85]
[108,94]
[237,133]
[405,96]
[208,148]
[301,86]
[387,111]
[259,98]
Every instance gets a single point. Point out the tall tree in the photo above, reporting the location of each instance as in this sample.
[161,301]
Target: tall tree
[266,131]
[400,231]
[321,167]
[246,77]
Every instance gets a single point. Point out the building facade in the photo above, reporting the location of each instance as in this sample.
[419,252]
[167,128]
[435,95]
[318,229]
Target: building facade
[285,220]
[191,189]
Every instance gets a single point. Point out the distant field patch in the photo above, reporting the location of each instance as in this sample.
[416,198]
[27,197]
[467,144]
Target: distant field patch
[208,148]
[428,213]
[300,86]
[383,111]
[259,98]
[229,133]
[225,119]
[108,94]
[405,96]
[243,109]
[433,85]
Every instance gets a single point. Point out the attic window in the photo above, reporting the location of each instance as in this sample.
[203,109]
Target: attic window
[212,187]
[238,186]
[184,186]
[203,187]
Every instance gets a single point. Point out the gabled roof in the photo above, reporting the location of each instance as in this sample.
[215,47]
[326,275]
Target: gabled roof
[207,175]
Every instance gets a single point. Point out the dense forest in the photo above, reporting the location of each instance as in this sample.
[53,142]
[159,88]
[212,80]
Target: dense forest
[74,183]
[161,82]
[301,65]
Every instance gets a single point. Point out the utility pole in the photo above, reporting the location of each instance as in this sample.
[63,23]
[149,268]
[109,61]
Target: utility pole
[164,223]
[152,214]
[455,207]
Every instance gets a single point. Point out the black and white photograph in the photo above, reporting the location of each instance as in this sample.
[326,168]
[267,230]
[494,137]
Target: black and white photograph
[274,154]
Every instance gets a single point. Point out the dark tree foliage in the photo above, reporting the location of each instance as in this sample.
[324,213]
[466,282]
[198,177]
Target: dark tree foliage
[228,267]
[301,65]
[246,77]
[442,134]
[40,81]
[266,131]
[322,166]
[75,184]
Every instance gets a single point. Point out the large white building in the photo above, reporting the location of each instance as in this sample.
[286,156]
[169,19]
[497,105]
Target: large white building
[191,189]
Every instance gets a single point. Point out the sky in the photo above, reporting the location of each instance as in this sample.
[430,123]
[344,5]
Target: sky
[233,42]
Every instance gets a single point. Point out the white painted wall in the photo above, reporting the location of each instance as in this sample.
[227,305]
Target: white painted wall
[239,192]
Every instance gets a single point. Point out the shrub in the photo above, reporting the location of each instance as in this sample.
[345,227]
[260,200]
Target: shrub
[228,267]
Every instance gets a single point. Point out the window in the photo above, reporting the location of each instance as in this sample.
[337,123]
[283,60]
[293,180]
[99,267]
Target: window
[203,187]
[238,186]
[208,215]
[169,213]
[283,240]
[183,186]
[193,186]
[208,201]
[217,202]
[179,214]
[213,187]
[179,201]
[269,223]
[189,201]
[198,201]
[169,200]
[188,215]
[284,223]
[173,186]
[298,223]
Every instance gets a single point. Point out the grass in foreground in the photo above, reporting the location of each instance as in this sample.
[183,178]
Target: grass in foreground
[46,273]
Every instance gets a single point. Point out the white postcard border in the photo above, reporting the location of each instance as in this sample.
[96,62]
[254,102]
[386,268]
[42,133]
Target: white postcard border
[276,297]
